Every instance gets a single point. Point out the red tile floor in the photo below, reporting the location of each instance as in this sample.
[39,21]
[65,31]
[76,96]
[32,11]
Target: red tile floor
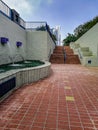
[66,100]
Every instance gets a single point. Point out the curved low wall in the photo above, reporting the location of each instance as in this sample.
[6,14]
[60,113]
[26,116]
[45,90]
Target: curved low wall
[25,76]
[29,75]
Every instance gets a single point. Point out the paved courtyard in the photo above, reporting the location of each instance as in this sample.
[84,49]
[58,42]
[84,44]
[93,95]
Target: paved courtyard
[66,100]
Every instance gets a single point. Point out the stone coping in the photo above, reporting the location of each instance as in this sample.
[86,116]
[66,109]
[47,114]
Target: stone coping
[12,72]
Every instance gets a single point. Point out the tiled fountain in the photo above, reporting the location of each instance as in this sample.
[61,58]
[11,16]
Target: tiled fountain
[13,76]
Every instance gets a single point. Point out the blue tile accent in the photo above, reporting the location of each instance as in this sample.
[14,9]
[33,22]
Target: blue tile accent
[18,44]
[4,40]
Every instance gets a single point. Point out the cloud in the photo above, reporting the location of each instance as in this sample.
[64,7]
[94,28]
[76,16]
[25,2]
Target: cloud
[49,1]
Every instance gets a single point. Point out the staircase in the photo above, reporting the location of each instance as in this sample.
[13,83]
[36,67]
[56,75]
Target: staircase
[71,58]
[59,57]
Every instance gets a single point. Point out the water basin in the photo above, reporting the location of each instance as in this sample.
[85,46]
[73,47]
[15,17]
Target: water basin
[20,65]
[2,70]
[14,65]
[27,62]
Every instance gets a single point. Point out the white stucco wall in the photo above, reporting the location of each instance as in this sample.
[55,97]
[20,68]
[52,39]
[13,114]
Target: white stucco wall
[50,45]
[14,32]
[36,45]
[39,44]
[90,39]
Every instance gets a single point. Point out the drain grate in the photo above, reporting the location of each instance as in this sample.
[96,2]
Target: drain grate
[7,86]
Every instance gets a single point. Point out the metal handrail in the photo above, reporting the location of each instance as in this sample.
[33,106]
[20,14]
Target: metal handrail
[22,23]
[26,25]
[64,53]
[5,9]
[34,25]
[37,26]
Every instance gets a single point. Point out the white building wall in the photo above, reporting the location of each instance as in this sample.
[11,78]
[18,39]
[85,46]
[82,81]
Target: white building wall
[58,35]
[39,45]
[15,33]
[50,46]
[90,39]
[36,45]
[56,32]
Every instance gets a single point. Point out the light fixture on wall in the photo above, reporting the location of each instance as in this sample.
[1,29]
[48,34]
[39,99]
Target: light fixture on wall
[4,40]
[18,44]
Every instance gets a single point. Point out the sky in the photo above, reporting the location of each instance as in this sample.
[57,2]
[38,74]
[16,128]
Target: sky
[68,14]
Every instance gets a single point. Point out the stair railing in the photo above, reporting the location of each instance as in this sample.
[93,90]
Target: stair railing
[64,55]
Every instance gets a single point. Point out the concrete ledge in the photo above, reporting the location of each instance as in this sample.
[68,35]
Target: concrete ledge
[86,53]
[84,48]
[29,75]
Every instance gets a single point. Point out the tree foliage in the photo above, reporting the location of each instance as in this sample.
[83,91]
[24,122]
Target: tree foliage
[80,30]
[41,28]
[68,39]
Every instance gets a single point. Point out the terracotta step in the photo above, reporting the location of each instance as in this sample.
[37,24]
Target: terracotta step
[68,50]
[59,60]
[58,53]
[58,56]
[72,59]
[59,47]
[58,50]
[69,53]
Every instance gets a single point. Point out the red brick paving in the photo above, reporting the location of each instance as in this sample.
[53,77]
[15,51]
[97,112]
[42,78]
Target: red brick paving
[43,106]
